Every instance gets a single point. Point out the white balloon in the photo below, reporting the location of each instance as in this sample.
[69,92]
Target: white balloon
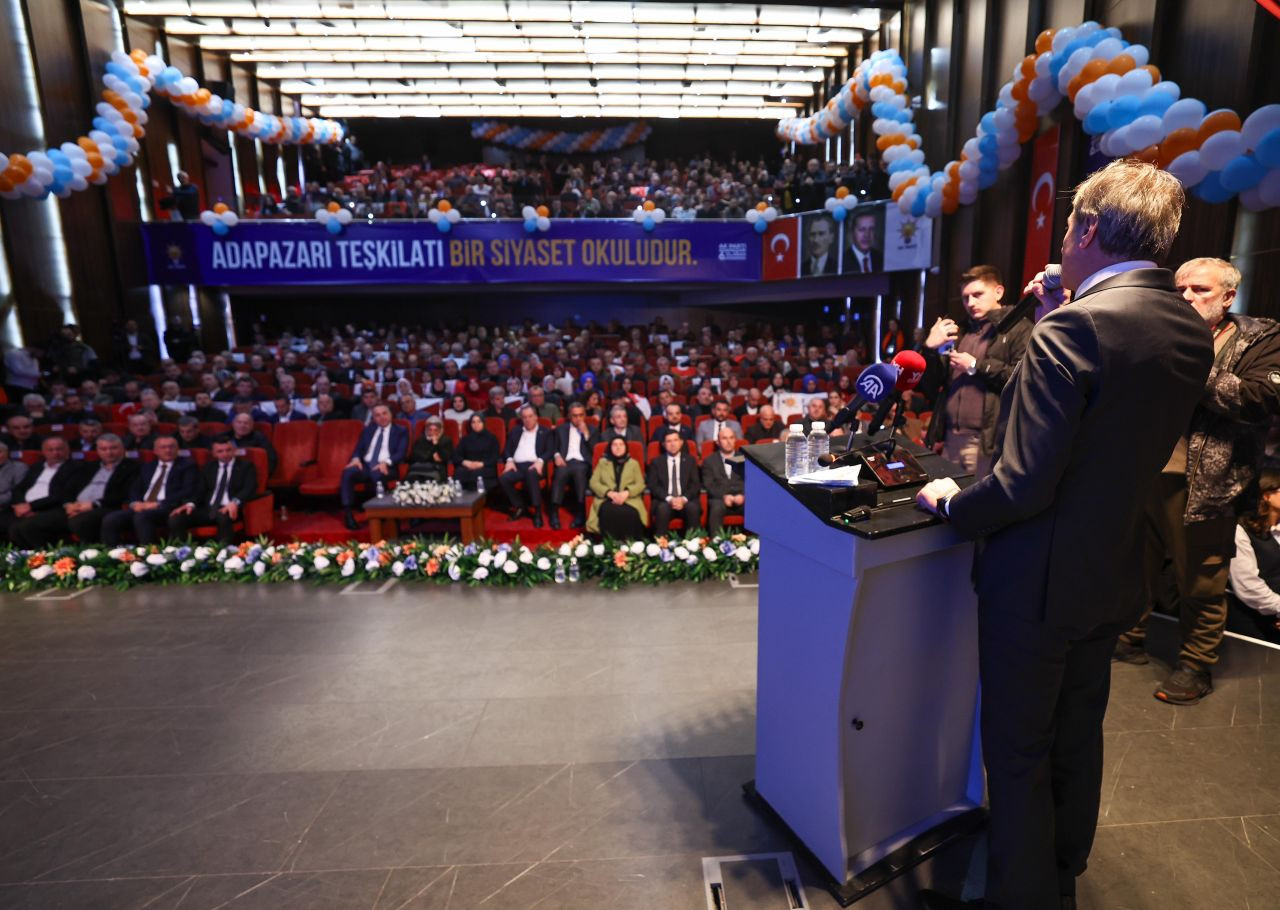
[32,188]
[1269,188]
[1105,87]
[1007,138]
[100,179]
[544,223]
[344,216]
[1106,50]
[771,213]
[849,202]
[1004,120]
[1006,98]
[208,216]
[1041,90]
[40,160]
[1221,148]
[42,176]
[71,150]
[453,216]
[80,167]
[1260,122]
[78,183]
[188,86]
[1145,131]
[895,152]
[120,57]
[830,205]
[753,215]
[1008,154]
[528,212]
[1138,53]
[229,218]
[659,216]
[1185,113]
[1062,38]
[1042,64]
[1188,168]
[933,205]
[322,215]
[1134,82]
[434,215]
[4,161]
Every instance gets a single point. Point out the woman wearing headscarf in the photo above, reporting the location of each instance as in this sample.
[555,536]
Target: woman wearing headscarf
[617,484]
[430,456]
[477,455]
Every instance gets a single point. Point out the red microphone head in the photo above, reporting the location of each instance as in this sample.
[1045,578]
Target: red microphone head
[911,368]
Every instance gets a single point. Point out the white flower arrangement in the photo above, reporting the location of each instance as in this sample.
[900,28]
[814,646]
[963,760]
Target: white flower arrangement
[426,493]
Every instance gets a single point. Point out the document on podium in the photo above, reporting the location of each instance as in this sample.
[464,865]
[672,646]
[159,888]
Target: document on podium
[846,476]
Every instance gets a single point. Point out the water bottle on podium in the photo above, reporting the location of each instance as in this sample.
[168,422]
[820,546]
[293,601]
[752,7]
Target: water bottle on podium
[797,451]
[819,443]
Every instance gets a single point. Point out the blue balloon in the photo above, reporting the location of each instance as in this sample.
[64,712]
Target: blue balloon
[988,164]
[840,213]
[1123,111]
[987,178]
[122,159]
[1210,189]
[64,175]
[989,146]
[333,226]
[649,224]
[918,205]
[1096,120]
[1155,104]
[988,123]
[902,164]
[530,225]
[1242,173]
[1268,149]
[760,226]
[220,228]
[118,71]
[445,225]
[904,116]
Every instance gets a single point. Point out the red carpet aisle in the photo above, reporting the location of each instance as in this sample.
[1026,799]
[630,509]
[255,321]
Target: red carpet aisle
[327,527]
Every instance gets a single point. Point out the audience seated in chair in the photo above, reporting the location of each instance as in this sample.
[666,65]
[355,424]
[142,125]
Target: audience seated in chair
[104,487]
[575,440]
[529,449]
[381,448]
[226,484]
[722,478]
[160,487]
[674,486]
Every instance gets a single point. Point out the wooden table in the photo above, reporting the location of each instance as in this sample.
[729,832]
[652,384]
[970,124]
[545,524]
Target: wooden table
[384,515]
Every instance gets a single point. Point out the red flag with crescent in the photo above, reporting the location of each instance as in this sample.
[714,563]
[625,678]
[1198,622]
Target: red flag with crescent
[781,254]
[1044,191]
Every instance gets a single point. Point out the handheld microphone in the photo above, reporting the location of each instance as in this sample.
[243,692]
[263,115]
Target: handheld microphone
[911,367]
[873,385]
[1052,281]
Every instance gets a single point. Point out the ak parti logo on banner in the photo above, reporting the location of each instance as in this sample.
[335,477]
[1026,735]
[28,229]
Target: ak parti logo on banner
[1044,193]
[781,254]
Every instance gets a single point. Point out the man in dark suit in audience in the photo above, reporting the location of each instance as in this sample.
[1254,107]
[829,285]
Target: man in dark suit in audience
[1059,573]
[160,487]
[722,478]
[48,485]
[189,435]
[575,442]
[363,411]
[766,427]
[205,411]
[140,435]
[498,406]
[529,447]
[619,426]
[381,447]
[226,484]
[326,410]
[104,487]
[20,435]
[674,485]
[246,436]
[674,421]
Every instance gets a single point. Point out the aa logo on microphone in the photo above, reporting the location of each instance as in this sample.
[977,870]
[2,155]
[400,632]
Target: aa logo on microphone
[871,386]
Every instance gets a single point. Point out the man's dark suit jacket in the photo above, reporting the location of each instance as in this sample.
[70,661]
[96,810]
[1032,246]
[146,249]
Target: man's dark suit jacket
[1106,388]
[588,443]
[830,267]
[116,492]
[397,443]
[179,487]
[242,485]
[66,483]
[853,264]
[544,445]
[632,434]
[714,480]
[658,481]
[658,434]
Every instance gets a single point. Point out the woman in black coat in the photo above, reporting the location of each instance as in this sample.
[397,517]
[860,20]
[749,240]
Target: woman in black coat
[477,455]
[430,456]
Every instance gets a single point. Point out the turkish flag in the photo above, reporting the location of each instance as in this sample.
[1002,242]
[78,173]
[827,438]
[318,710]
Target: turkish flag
[1044,191]
[781,255]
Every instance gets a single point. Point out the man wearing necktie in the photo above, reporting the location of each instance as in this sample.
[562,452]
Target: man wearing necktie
[721,417]
[674,486]
[226,484]
[862,255]
[381,447]
[161,486]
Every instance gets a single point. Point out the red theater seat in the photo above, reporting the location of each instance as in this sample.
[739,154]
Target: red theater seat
[258,514]
[334,442]
[295,444]
[655,450]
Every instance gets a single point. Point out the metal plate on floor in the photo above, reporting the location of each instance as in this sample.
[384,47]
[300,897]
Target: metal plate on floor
[753,881]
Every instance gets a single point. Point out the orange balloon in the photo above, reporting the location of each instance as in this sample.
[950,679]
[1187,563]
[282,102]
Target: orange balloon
[949,206]
[841,192]
[1029,66]
[6,185]
[543,211]
[203,95]
[87,144]
[22,163]
[1175,144]
[912,143]
[898,86]
[333,206]
[220,208]
[138,132]
[1154,71]
[1019,90]
[953,170]
[137,55]
[110,96]
[444,205]
[902,188]
[1150,154]
[884,142]
[761,206]
[1121,64]
[1044,41]
[1216,122]
[248,116]
[1091,71]
[648,205]
[95,160]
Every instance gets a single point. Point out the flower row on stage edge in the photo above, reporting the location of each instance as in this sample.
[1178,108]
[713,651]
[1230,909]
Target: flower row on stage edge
[612,564]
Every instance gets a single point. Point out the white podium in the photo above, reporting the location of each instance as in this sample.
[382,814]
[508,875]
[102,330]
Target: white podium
[867,687]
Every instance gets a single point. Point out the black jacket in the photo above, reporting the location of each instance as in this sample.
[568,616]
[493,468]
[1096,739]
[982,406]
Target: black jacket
[561,434]
[180,486]
[422,463]
[242,485]
[994,371]
[544,447]
[657,480]
[632,434]
[1106,388]
[714,480]
[66,483]
[116,492]
[481,446]
[658,434]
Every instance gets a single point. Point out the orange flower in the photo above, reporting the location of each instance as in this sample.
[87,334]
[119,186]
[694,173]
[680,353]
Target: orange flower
[64,567]
[738,538]
[662,542]
[129,556]
[35,560]
[433,566]
[345,556]
[620,559]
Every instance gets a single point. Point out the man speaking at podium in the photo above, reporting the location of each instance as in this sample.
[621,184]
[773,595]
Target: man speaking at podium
[1105,390]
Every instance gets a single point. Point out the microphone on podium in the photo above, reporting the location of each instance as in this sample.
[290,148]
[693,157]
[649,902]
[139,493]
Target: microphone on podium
[1052,281]
[874,384]
[911,366]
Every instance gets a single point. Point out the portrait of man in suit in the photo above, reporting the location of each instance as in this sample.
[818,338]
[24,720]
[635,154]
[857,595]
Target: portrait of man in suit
[863,254]
[818,248]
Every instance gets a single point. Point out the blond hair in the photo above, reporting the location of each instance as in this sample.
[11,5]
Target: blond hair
[1228,274]
[1138,208]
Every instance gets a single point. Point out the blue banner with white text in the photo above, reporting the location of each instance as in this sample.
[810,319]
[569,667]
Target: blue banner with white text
[266,253]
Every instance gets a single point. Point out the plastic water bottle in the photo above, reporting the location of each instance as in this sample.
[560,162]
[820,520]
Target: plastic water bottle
[380,490]
[559,571]
[573,569]
[797,457]
[480,485]
[819,443]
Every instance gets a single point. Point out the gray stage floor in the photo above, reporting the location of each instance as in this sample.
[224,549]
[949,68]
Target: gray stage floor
[293,747]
